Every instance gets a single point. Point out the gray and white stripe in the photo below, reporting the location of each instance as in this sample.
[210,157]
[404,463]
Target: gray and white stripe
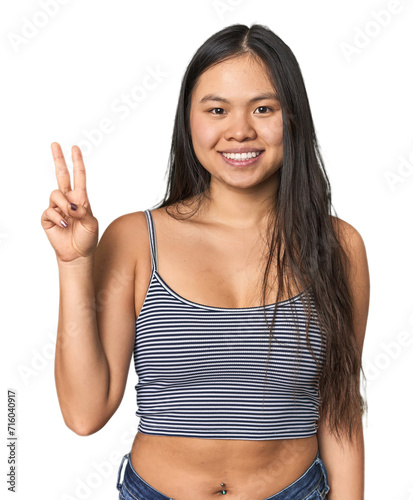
[201,368]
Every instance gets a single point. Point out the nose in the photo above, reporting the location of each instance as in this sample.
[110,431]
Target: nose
[239,127]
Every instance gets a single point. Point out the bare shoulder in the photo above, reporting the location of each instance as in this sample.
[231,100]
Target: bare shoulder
[350,239]
[122,242]
[358,278]
[127,228]
[128,222]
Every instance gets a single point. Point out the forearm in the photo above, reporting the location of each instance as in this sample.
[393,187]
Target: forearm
[345,467]
[81,368]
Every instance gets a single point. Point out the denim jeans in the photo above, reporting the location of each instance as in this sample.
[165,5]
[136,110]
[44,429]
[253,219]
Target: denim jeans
[312,485]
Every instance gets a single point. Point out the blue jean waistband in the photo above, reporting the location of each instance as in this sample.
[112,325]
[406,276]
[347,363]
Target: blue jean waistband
[314,478]
[136,485]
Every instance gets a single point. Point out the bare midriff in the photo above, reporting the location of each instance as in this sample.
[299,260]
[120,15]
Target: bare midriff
[186,468]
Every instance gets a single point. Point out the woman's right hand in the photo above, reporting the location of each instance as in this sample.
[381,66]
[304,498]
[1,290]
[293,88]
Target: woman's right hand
[79,239]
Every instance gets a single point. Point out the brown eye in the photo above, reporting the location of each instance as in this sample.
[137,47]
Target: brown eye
[213,109]
[264,107]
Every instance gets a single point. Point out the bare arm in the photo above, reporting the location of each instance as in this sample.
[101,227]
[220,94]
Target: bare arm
[96,331]
[81,367]
[345,464]
[96,310]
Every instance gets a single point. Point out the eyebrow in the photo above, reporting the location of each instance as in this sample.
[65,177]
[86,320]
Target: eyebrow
[261,97]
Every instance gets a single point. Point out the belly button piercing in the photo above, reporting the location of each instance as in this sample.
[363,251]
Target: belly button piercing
[223,491]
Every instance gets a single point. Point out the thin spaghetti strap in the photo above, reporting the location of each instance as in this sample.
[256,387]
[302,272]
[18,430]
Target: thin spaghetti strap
[152,238]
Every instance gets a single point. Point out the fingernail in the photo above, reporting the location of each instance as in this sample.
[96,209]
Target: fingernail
[73,206]
[63,223]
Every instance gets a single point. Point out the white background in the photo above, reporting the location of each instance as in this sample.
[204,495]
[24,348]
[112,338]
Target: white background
[60,79]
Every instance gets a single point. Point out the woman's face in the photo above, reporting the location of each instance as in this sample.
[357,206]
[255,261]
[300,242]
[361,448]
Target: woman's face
[234,108]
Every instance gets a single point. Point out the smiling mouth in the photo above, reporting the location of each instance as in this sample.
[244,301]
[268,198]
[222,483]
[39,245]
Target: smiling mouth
[242,156]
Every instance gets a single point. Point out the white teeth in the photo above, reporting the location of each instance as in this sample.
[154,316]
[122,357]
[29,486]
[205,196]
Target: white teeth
[241,156]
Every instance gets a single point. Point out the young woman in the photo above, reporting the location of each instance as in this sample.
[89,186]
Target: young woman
[242,298]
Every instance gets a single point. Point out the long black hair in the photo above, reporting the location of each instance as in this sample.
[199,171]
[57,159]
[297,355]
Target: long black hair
[305,237]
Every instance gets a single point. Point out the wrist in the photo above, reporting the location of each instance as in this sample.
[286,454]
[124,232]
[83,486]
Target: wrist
[76,263]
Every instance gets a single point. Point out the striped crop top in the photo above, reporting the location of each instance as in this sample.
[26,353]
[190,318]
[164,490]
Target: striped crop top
[201,368]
